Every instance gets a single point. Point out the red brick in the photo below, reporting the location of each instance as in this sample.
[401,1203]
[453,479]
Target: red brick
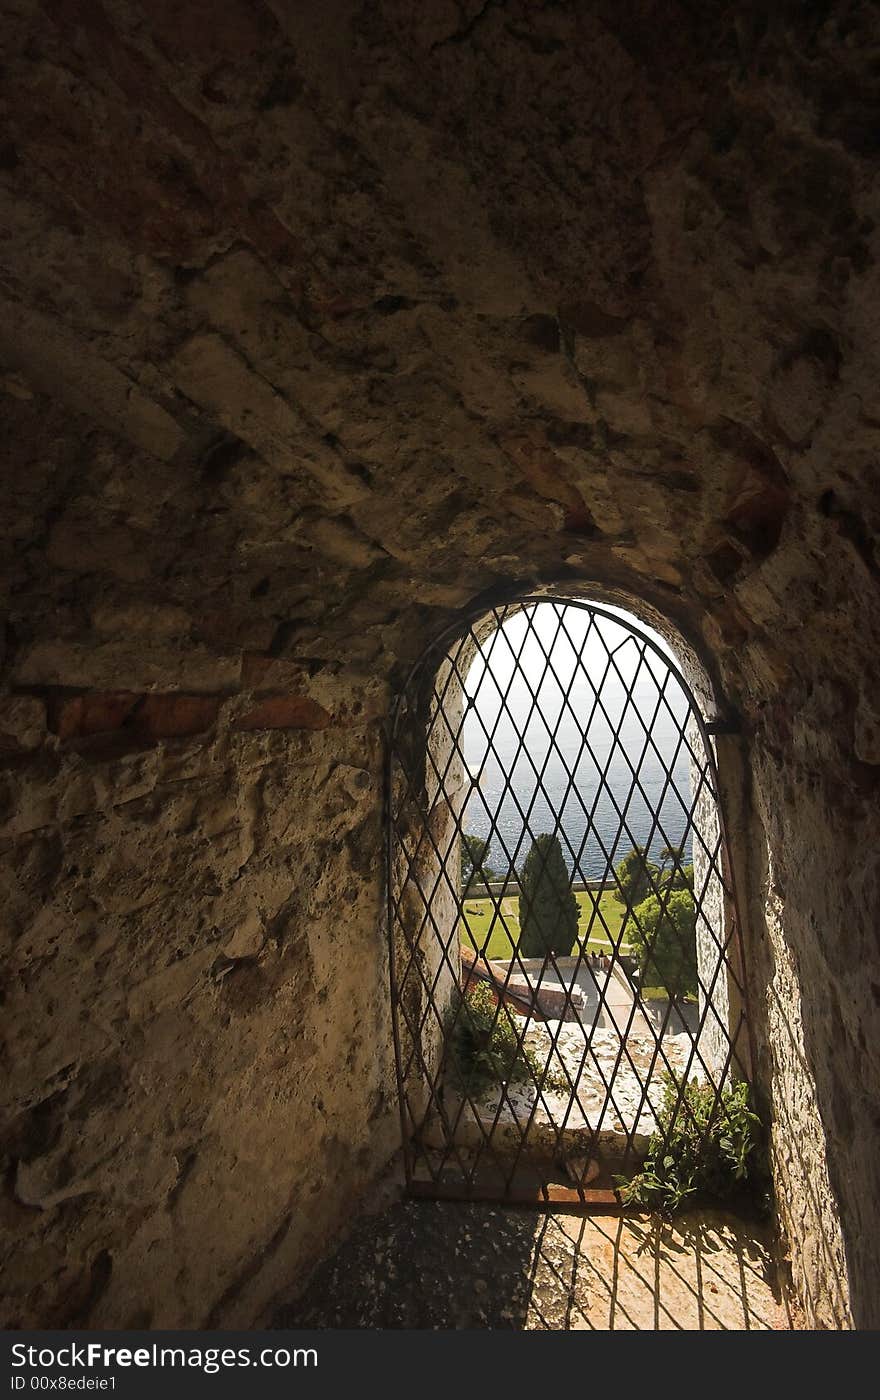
[285,712]
[177,716]
[97,712]
[144,717]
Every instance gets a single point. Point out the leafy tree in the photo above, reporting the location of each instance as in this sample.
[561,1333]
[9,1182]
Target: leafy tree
[664,940]
[674,874]
[637,876]
[474,850]
[548,907]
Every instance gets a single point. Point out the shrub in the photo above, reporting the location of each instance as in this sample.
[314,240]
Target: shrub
[484,1049]
[708,1145]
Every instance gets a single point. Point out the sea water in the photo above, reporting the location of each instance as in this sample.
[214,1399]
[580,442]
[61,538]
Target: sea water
[575,728]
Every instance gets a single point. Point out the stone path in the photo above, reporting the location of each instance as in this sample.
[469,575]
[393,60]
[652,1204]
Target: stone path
[435,1264]
[620,1010]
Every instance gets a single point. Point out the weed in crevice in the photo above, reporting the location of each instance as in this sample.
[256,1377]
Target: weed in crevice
[707,1145]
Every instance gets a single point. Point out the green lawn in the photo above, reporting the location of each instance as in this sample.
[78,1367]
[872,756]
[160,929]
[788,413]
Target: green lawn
[662,994]
[484,921]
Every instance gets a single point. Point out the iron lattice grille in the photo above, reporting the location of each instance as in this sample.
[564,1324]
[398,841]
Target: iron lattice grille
[518,1057]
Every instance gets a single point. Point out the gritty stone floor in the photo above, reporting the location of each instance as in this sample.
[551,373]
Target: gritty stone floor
[427,1264]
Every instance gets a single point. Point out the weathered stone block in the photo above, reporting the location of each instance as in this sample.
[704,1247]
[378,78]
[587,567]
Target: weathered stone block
[22,721]
[259,671]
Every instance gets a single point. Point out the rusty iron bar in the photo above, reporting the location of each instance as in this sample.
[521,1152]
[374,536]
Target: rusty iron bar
[550,1195]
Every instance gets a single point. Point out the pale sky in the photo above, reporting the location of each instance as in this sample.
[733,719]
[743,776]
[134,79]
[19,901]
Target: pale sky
[564,644]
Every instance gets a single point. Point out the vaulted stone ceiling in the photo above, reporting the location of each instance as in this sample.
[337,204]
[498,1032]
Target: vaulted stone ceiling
[365,310]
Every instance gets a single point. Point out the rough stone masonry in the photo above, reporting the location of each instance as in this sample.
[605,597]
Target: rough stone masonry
[320,322]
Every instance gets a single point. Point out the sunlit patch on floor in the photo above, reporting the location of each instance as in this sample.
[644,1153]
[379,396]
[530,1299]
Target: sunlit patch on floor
[445,1265]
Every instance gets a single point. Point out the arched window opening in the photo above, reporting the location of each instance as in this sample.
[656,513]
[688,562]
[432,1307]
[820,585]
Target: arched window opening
[564,942]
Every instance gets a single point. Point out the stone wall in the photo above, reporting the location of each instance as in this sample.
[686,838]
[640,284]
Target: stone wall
[197,1072]
[716,931]
[318,325]
[426,784]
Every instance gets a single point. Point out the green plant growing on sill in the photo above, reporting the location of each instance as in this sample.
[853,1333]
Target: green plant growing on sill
[484,1049]
[704,1146]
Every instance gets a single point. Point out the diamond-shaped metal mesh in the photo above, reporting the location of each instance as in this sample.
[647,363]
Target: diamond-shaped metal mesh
[581,959]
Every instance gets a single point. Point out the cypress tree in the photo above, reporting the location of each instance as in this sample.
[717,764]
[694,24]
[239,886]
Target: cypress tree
[548,908]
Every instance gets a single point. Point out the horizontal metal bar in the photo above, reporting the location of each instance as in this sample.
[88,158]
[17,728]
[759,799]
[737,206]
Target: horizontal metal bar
[516,1195]
[730,724]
